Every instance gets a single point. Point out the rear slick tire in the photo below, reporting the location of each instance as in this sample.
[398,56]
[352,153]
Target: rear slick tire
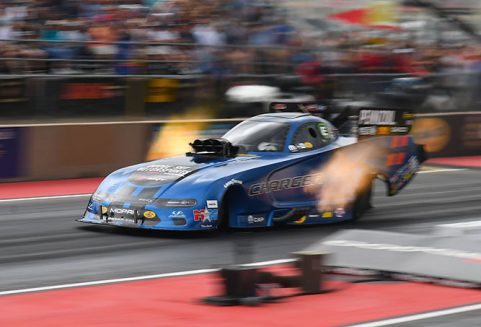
[362,203]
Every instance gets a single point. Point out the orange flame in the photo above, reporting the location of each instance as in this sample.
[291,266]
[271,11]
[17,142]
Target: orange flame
[174,136]
[348,173]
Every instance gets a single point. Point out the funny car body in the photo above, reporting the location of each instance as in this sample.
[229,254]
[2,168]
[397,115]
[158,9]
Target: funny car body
[254,176]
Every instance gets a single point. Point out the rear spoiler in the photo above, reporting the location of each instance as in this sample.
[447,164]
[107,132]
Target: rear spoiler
[390,129]
[384,122]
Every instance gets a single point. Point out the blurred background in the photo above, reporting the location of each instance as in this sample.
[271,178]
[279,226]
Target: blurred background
[88,86]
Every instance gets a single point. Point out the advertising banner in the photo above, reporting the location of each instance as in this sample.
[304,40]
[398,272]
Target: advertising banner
[13,98]
[449,135]
[89,96]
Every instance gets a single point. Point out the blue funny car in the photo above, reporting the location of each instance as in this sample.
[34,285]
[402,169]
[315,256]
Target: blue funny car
[260,173]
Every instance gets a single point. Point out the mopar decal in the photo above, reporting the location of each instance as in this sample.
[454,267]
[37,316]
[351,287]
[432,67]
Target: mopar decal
[121,211]
[282,184]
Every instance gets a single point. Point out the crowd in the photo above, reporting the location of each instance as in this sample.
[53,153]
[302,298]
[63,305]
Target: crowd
[193,36]
[158,36]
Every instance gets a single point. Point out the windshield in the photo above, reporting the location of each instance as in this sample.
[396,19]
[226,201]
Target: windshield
[258,136]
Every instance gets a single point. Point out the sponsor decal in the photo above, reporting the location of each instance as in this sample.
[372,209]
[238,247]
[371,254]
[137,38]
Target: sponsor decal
[167,169]
[212,204]
[403,174]
[300,220]
[122,220]
[300,146]
[327,214]
[232,182]
[293,148]
[206,216]
[282,184]
[149,214]
[145,200]
[91,206]
[177,214]
[325,131]
[453,253]
[377,117]
[367,131]
[339,212]
[255,219]
[104,210]
[159,174]
[381,122]
[383,130]
[395,159]
[399,130]
[122,211]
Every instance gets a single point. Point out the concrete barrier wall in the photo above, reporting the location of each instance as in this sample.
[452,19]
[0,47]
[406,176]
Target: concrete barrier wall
[73,151]
[39,152]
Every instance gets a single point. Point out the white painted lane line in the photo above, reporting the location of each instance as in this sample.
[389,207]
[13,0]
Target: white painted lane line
[440,170]
[136,278]
[421,316]
[53,197]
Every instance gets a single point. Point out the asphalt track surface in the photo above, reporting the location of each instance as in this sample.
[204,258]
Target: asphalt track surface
[41,244]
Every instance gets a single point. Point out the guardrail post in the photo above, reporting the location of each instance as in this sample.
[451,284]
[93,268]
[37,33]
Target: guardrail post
[135,97]
[310,264]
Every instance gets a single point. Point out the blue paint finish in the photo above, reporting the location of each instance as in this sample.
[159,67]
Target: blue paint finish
[253,188]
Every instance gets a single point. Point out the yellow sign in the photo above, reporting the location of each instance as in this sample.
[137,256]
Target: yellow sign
[149,214]
[161,90]
[381,11]
[103,209]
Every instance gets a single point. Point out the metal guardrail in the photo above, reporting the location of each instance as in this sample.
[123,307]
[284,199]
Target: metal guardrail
[262,59]
[159,95]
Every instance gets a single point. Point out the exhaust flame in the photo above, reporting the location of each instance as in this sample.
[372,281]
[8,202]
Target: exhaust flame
[347,174]
[174,137]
